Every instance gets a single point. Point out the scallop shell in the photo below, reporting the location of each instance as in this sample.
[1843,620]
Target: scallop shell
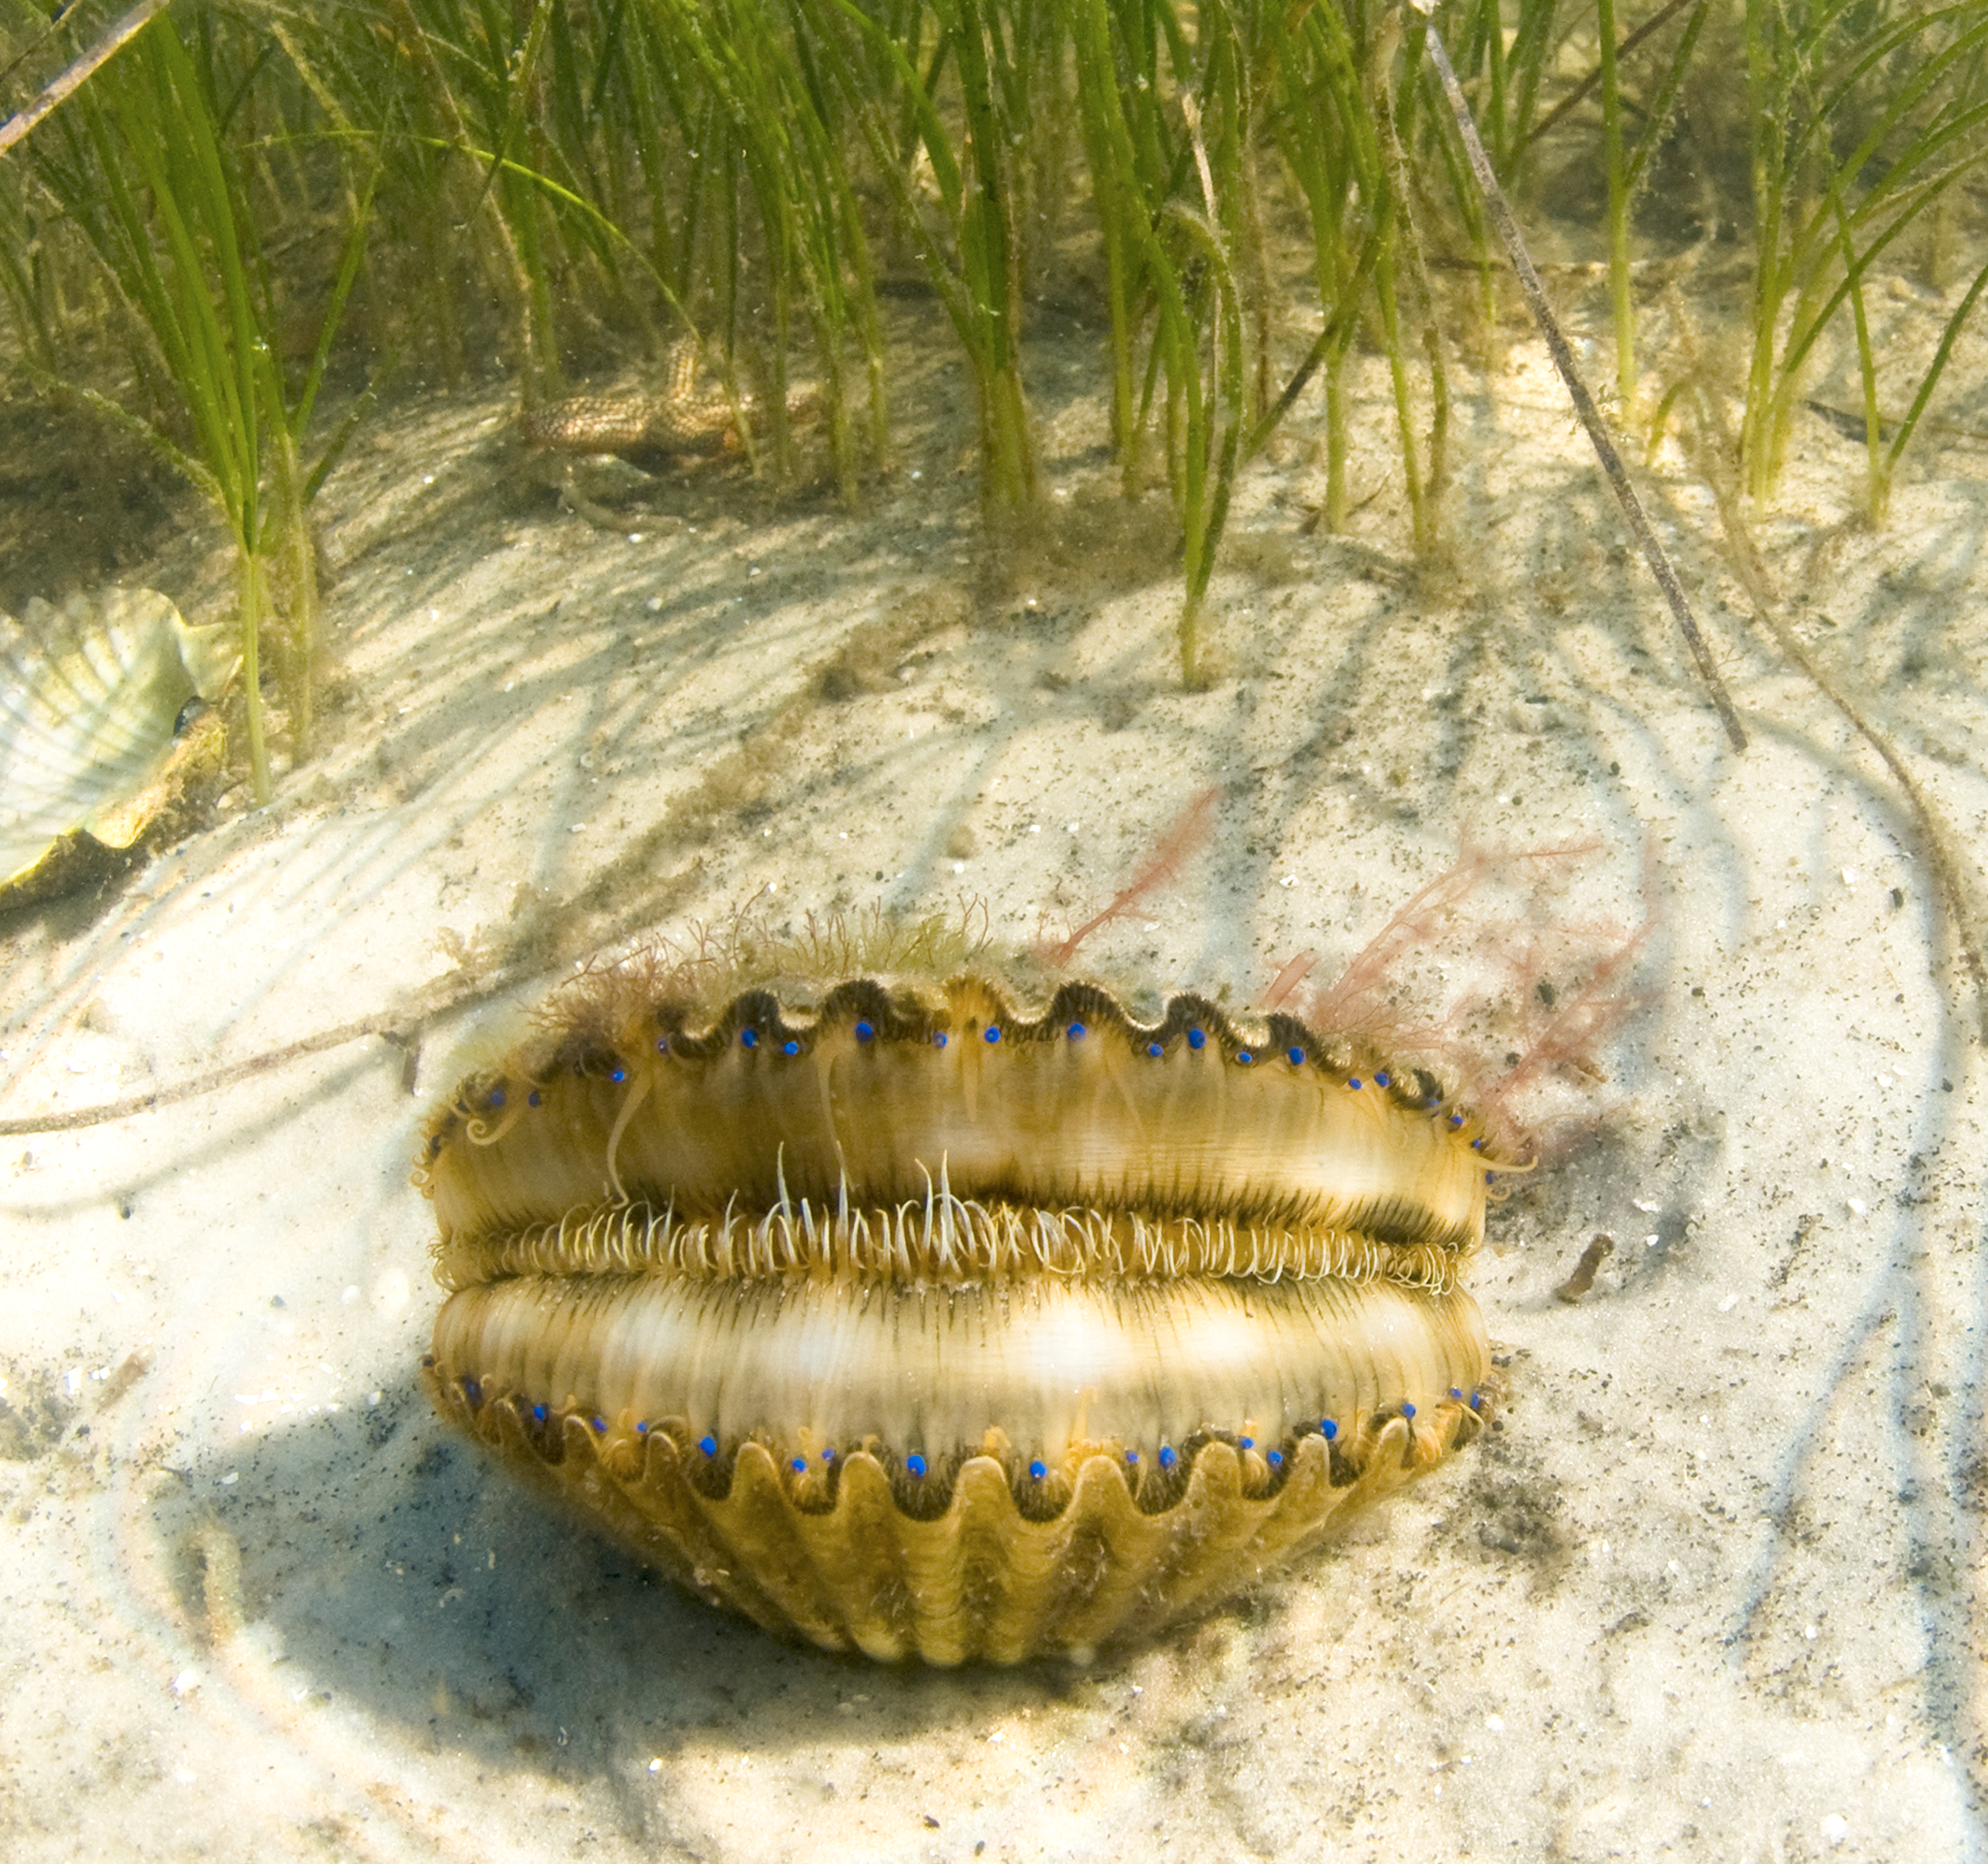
[90,697]
[921,1323]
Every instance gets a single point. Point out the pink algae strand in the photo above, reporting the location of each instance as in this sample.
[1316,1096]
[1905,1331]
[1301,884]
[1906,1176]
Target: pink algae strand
[1531,995]
[1180,844]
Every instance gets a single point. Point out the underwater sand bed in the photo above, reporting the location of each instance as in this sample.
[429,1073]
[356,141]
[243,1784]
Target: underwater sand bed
[1709,1583]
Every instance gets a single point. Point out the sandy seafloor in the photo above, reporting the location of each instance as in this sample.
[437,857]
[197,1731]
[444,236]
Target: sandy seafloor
[1715,1588]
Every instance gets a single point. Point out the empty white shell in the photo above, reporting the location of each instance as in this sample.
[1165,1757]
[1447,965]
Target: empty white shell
[89,695]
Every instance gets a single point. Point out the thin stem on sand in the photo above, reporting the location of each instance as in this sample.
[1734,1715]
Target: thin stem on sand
[1654,553]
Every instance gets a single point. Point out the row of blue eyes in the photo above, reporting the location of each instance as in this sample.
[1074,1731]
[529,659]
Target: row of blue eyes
[1328,1428]
[1196,1039]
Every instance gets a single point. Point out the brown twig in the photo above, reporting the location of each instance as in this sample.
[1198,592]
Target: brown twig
[1933,833]
[1653,554]
[1577,1284]
[1572,100]
[216,1079]
[1707,432]
[127,29]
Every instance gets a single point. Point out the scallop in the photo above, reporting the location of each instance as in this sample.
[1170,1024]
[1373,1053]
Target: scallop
[91,697]
[910,1319]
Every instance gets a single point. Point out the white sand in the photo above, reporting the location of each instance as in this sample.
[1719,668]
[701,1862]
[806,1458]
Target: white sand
[1714,1590]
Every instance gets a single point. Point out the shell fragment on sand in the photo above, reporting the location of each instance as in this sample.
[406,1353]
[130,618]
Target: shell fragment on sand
[91,697]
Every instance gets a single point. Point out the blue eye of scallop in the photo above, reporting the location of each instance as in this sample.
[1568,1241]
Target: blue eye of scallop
[617,1074]
[1075,1032]
[642,1427]
[1455,1120]
[748,1038]
[538,1414]
[662,1045]
[1354,1081]
[600,1426]
[1456,1390]
[1197,1038]
[1168,1459]
[799,1466]
[1038,1468]
[938,1038]
[534,1098]
[1244,1057]
[790,1048]
[1295,1057]
[915,1464]
[1131,1455]
[993,1035]
[1384,1081]
[708,1445]
[1245,1442]
[1277,1458]
[1407,1409]
[864,1031]
[1154,1050]
[1328,1429]
[496,1096]
[828,1454]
